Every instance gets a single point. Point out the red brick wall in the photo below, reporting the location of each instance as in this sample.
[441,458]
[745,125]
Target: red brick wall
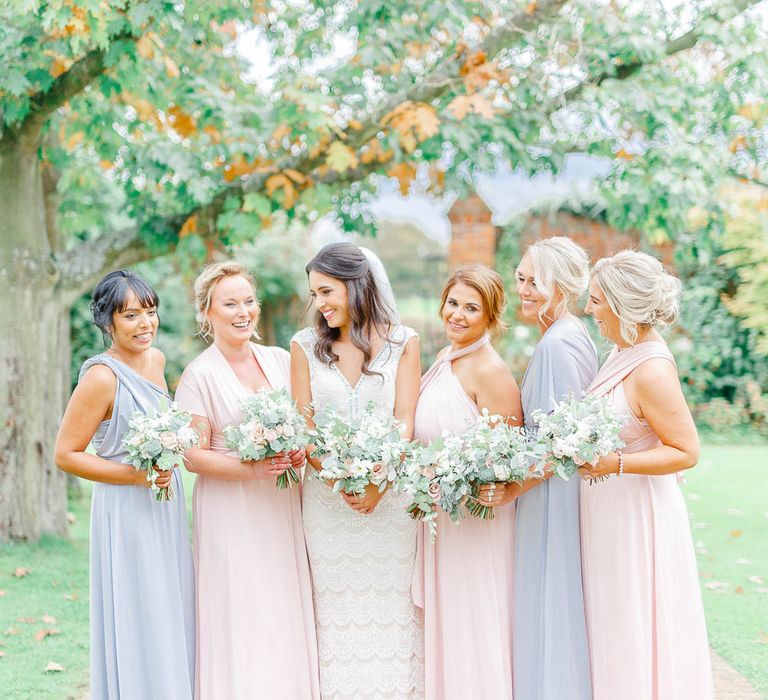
[473,237]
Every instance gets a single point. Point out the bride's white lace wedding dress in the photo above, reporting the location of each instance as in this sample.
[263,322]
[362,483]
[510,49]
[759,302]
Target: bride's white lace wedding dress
[368,630]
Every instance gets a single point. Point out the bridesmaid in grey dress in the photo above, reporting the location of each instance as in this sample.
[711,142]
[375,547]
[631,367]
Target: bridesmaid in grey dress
[141,579]
[550,655]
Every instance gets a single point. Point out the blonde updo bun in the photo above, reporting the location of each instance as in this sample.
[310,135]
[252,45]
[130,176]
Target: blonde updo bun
[639,291]
[559,264]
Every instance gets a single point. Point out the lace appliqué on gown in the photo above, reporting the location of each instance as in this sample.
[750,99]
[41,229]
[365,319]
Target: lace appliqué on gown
[369,634]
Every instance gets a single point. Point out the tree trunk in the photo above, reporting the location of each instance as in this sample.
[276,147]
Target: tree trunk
[34,351]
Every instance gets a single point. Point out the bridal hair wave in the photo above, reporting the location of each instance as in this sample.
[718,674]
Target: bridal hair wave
[489,285]
[110,297]
[558,265]
[206,282]
[367,311]
[639,291]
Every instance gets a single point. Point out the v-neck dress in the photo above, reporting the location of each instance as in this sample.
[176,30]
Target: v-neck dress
[141,580]
[550,654]
[256,632]
[464,579]
[368,628]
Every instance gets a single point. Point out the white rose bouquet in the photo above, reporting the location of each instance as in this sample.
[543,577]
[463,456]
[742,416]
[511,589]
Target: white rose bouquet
[577,432]
[437,475]
[500,453]
[354,454]
[158,440]
[271,424]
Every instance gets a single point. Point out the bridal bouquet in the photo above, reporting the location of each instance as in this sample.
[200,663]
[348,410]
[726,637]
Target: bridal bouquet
[500,453]
[367,450]
[578,431]
[159,439]
[271,424]
[436,475]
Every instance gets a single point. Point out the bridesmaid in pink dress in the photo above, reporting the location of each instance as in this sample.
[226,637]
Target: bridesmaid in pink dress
[255,622]
[645,619]
[463,581]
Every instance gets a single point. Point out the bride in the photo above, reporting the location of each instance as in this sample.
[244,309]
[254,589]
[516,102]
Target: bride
[361,548]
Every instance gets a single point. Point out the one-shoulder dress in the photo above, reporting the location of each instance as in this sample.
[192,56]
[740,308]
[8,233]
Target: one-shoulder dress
[141,578]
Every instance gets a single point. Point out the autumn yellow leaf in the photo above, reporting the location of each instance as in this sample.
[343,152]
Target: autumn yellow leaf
[355,124]
[237,168]
[60,64]
[373,152]
[340,157]
[737,144]
[462,105]
[146,47]
[106,165]
[282,182]
[405,173]
[414,122]
[182,123]
[74,140]
[40,635]
[531,7]
[188,227]
[624,155]
[750,111]
[171,69]
[295,175]
[735,533]
[21,571]
[280,133]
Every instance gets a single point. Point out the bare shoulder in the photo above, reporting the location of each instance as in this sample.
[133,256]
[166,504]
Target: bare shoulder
[98,380]
[652,372]
[157,357]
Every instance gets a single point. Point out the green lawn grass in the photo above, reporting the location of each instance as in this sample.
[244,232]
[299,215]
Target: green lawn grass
[727,497]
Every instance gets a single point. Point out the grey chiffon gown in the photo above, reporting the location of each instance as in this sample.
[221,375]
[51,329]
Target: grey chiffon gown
[141,578]
[550,654]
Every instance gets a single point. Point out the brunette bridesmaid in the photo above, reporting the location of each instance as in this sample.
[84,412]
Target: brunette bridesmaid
[645,618]
[256,632]
[464,579]
[141,580]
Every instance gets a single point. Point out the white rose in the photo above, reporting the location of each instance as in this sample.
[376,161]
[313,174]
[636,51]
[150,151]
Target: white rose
[169,441]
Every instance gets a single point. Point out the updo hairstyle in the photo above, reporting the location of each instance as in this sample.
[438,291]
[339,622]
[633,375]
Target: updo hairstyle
[558,263]
[639,291]
[205,283]
[110,297]
[489,285]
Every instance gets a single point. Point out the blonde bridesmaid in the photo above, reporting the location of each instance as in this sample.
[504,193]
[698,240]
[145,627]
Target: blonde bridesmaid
[464,579]
[645,619]
[255,622]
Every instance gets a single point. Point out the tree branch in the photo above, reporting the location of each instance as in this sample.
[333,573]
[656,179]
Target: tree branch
[80,268]
[682,43]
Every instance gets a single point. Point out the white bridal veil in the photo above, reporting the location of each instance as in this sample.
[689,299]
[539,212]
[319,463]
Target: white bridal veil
[383,283]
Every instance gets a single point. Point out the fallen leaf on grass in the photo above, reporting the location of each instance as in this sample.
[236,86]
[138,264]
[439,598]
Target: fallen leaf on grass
[738,589]
[21,571]
[11,631]
[40,635]
[53,666]
[716,585]
[735,533]
[2,592]
[26,620]
[763,637]
[48,619]
[70,596]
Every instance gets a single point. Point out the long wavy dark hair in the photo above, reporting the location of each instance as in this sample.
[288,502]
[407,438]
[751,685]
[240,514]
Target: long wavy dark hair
[368,313]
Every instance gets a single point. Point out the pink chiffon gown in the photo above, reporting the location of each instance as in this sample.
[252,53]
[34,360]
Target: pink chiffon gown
[255,621]
[645,619]
[463,581]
